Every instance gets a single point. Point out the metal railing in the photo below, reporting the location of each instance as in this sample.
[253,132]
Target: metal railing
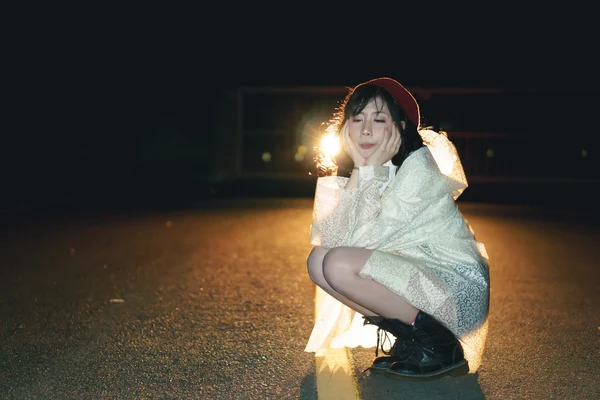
[276,124]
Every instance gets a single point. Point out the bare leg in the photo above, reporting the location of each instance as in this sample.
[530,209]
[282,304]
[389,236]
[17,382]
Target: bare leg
[315,272]
[341,267]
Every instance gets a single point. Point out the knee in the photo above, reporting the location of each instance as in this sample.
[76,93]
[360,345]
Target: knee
[314,264]
[335,267]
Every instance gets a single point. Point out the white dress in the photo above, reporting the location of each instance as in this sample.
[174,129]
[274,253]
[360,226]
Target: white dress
[424,249]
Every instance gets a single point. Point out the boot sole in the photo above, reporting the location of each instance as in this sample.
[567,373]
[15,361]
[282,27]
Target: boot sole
[458,369]
[376,370]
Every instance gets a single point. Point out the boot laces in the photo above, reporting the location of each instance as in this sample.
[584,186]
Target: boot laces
[405,344]
[400,345]
[382,339]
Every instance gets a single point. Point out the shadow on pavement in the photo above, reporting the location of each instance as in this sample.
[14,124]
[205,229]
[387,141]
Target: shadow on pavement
[375,386]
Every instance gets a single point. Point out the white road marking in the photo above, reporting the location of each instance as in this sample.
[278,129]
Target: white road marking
[336,378]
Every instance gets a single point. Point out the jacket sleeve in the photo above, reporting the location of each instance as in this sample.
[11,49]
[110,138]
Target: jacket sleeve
[415,206]
[339,214]
[412,203]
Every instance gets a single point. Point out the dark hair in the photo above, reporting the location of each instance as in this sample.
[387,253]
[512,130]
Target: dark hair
[357,99]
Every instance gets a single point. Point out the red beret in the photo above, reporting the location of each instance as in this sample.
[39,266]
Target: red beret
[403,97]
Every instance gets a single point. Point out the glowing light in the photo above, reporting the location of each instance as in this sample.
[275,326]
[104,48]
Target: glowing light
[266,156]
[329,147]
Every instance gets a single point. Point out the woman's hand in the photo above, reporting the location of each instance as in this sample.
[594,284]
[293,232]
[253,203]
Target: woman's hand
[350,147]
[387,149]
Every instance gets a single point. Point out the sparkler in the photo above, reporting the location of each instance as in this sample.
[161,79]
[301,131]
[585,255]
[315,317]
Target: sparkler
[328,148]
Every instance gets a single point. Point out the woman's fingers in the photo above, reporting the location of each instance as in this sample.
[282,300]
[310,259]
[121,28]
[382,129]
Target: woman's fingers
[385,143]
[388,147]
[349,146]
[396,133]
[391,139]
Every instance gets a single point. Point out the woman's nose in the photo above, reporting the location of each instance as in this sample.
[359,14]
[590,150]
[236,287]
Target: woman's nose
[366,130]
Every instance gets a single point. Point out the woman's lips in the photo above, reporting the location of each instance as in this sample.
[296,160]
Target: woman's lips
[366,146]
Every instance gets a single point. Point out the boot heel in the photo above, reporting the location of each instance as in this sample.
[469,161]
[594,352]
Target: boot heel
[462,370]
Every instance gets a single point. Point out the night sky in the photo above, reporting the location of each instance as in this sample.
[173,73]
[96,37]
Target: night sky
[85,89]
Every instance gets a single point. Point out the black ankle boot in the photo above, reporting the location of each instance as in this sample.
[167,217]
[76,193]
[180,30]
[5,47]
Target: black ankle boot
[399,350]
[436,352]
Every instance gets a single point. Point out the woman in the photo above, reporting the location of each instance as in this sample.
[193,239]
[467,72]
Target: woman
[391,244]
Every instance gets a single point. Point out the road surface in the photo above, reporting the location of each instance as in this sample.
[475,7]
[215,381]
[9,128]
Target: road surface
[214,302]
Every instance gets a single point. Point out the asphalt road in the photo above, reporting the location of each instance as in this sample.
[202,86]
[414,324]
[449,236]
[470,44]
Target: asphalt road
[213,302]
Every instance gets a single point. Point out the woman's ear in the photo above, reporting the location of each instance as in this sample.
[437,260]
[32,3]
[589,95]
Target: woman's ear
[403,125]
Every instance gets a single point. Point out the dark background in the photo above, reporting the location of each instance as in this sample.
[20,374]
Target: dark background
[88,91]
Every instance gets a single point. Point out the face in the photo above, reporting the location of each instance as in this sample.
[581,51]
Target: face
[367,129]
